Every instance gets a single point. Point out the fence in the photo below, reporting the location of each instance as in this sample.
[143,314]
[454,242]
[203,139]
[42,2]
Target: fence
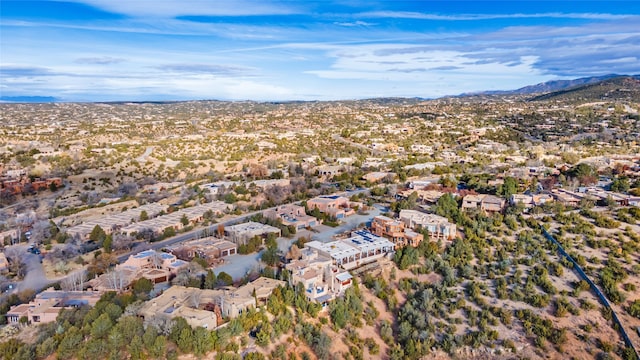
[594,288]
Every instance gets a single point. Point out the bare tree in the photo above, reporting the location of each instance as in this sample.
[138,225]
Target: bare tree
[294,253]
[122,242]
[194,299]
[75,281]
[41,231]
[129,189]
[156,260]
[116,279]
[16,260]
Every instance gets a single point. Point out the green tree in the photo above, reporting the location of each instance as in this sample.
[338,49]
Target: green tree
[101,326]
[508,188]
[169,232]
[224,279]
[143,215]
[202,342]
[97,235]
[270,256]
[159,347]
[447,206]
[185,343]
[70,343]
[184,220]
[142,287]
[620,184]
[634,308]
[136,348]
[107,244]
[210,280]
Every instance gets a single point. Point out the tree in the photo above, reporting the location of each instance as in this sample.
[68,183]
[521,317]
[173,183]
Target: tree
[142,287]
[184,220]
[107,244]
[143,215]
[270,256]
[447,206]
[210,280]
[169,232]
[620,184]
[224,279]
[508,188]
[74,281]
[97,235]
[101,326]
[634,308]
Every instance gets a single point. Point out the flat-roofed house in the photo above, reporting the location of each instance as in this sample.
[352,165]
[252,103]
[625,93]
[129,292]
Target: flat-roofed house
[292,215]
[205,307]
[241,233]
[396,231]
[210,249]
[320,277]
[438,227]
[47,305]
[486,203]
[471,202]
[336,206]
[361,248]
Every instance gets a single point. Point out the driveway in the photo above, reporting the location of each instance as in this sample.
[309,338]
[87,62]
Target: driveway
[35,278]
[349,223]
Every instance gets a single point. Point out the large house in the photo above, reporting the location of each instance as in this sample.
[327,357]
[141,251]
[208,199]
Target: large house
[361,248]
[155,266]
[292,215]
[320,277]
[242,233]
[47,305]
[206,307]
[336,206]
[438,227]
[210,249]
[396,231]
[529,201]
[483,202]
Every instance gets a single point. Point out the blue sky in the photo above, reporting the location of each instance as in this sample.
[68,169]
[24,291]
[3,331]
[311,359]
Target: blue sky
[106,50]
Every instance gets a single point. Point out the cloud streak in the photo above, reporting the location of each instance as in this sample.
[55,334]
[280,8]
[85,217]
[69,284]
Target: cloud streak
[475,17]
[250,49]
[100,60]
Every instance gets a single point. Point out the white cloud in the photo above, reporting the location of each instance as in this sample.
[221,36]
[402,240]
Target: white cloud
[175,8]
[469,17]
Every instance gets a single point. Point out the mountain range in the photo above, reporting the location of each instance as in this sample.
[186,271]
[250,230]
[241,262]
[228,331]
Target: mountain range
[605,87]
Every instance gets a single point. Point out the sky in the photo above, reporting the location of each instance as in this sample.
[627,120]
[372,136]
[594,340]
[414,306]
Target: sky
[264,50]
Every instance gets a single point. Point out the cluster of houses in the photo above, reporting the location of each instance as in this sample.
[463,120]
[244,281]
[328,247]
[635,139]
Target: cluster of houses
[174,220]
[198,307]
[595,194]
[16,185]
[158,267]
[206,308]
[129,222]
[47,305]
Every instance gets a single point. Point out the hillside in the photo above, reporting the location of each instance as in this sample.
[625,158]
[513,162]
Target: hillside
[614,89]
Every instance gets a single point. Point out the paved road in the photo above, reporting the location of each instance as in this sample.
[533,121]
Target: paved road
[359,146]
[198,232]
[236,265]
[143,158]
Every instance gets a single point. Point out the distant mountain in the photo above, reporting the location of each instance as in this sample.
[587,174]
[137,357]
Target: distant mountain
[28,99]
[549,86]
[615,88]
